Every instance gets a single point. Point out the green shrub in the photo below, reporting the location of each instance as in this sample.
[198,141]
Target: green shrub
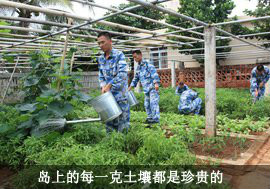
[235,103]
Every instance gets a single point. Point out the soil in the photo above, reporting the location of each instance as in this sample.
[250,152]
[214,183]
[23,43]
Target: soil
[227,148]
[259,178]
[256,133]
[5,175]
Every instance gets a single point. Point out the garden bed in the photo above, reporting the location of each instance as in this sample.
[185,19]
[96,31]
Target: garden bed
[245,158]
[5,176]
[229,148]
[222,148]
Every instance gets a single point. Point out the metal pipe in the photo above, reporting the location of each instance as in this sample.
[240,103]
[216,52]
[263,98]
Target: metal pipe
[238,38]
[84,120]
[241,21]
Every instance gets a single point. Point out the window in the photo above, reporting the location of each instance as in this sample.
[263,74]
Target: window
[159,57]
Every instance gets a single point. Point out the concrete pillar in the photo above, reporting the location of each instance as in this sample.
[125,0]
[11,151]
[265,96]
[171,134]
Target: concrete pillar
[210,80]
[267,85]
[173,73]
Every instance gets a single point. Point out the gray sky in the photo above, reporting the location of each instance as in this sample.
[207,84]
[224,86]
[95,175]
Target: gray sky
[241,5]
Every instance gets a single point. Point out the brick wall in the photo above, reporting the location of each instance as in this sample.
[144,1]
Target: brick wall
[236,76]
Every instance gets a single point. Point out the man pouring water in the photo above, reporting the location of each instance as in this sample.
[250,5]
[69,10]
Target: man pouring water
[113,76]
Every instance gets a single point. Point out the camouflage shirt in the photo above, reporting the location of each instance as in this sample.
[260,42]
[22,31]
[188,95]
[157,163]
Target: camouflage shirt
[147,75]
[114,71]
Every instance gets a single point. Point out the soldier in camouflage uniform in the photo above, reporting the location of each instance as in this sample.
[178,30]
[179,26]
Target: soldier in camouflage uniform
[259,77]
[149,79]
[189,102]
[113,77]
[181,88]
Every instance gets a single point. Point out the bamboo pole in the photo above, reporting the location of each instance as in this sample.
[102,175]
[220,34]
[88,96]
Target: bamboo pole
[240,36]
[24,29]
[228,37]
[61,25]
[10,67]
[10,79]
[46,41]
[138,16]
[221,47]
[72,61]
[163,34]
[36,45]
[247,35]
[75,35]
[64,56]
[88,28]
[61,13]
[42,31]
[17,35]
[32,37]
[5,40]
[41,43]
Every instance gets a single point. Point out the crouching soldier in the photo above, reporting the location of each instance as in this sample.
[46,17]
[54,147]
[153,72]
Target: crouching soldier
[259,77]
[189,102]
[181,88]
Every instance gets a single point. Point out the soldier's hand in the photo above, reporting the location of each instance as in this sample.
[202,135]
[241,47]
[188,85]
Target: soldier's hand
[129,88]
[103,90]
[106,88]
[261,85]
[156,87]
[256,93]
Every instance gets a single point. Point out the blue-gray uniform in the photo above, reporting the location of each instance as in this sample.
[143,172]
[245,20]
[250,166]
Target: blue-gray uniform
[148,77]
[114,71]
[256,80]
[189,102]
[179,89]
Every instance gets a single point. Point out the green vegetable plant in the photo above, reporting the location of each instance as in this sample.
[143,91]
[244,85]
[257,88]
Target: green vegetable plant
[43,100]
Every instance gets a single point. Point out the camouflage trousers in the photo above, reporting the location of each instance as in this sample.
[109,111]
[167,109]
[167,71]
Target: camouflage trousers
[151,104]
[121,123]
[193,107]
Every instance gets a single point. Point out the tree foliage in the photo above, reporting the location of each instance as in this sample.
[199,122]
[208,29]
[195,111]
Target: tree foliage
[262,9]
[208,11]
[266,2]
[135,22]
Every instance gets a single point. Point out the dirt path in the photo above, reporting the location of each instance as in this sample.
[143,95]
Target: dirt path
[5,174]
[260,177]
